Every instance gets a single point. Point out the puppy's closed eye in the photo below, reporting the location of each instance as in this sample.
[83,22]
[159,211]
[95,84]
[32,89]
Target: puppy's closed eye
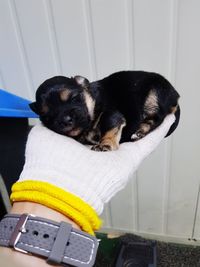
[75,96]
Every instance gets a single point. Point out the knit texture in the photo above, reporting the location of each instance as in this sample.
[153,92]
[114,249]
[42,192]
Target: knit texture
[94,177]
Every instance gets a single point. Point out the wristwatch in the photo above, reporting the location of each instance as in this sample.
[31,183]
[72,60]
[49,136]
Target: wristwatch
[59,243]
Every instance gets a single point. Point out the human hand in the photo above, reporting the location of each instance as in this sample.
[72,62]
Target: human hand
[69,177]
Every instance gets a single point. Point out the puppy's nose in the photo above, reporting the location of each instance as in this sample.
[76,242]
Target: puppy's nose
[68,120]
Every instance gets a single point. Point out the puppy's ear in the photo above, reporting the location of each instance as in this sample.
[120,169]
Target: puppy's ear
[82,81]
[34,107]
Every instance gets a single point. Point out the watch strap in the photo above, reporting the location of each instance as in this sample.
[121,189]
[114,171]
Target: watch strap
[59,243]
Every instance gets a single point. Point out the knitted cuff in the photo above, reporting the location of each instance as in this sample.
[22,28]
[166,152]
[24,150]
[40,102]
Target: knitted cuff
[55,198]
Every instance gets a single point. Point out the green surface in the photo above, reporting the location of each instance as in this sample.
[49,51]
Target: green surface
[108,250]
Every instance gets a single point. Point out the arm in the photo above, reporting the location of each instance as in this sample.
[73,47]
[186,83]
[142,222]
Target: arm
[69,182]
[25,260]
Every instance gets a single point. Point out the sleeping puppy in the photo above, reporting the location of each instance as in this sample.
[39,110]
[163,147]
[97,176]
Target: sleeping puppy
[124,106]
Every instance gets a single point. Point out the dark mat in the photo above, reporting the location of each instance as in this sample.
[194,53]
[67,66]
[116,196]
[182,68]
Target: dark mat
[168,254]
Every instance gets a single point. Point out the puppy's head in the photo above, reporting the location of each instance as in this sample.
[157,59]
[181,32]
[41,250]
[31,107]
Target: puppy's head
[65,105]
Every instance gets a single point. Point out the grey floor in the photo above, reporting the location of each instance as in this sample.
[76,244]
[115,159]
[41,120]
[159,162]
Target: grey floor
[173,255]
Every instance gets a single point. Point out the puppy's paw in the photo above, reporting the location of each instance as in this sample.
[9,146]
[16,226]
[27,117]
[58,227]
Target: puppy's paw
[102,147]
[136,136]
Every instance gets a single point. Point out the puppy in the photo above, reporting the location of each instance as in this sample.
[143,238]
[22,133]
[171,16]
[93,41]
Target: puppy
[124,106]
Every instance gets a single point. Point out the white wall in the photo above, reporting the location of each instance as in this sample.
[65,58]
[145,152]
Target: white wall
[43,38]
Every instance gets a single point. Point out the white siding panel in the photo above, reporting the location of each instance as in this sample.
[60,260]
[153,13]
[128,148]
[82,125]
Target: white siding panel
[124,208]
[152,48]
[110,35]
[35,30]
[195,234]
[150,192]
[13,62]
[2,82]
[106,216]
[72,37]
[185,171]
[151,27]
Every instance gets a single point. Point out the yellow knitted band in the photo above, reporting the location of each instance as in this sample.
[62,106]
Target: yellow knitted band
[56,198]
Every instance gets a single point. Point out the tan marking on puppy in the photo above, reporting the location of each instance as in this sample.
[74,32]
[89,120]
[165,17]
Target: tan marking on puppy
[64,94]
[90,103]
[143,130]
[112,137]
[174,109]
[119,134]
[151,103]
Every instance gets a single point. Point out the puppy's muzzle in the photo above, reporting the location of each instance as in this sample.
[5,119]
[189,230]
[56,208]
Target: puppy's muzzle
[68,126]
[67,122]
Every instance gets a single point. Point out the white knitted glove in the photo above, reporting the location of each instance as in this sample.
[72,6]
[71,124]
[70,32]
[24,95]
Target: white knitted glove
[93,176]
[67,176]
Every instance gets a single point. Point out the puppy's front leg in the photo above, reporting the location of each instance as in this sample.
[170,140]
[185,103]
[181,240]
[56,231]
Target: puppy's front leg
[111,125]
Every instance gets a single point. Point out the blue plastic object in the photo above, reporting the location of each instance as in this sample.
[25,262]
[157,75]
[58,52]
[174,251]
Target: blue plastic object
[15,106]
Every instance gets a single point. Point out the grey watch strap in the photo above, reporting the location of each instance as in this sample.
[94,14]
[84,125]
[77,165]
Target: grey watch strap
[59,243]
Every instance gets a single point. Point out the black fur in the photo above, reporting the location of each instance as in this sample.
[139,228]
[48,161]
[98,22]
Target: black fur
[139,99]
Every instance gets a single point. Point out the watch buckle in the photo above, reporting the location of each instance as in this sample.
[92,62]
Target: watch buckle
[18,231]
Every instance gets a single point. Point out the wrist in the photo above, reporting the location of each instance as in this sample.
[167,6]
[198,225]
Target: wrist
[38,210]
[45,234]
[41,211]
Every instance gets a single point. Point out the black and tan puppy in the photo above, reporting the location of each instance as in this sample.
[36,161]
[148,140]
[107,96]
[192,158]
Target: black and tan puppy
[124,106]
